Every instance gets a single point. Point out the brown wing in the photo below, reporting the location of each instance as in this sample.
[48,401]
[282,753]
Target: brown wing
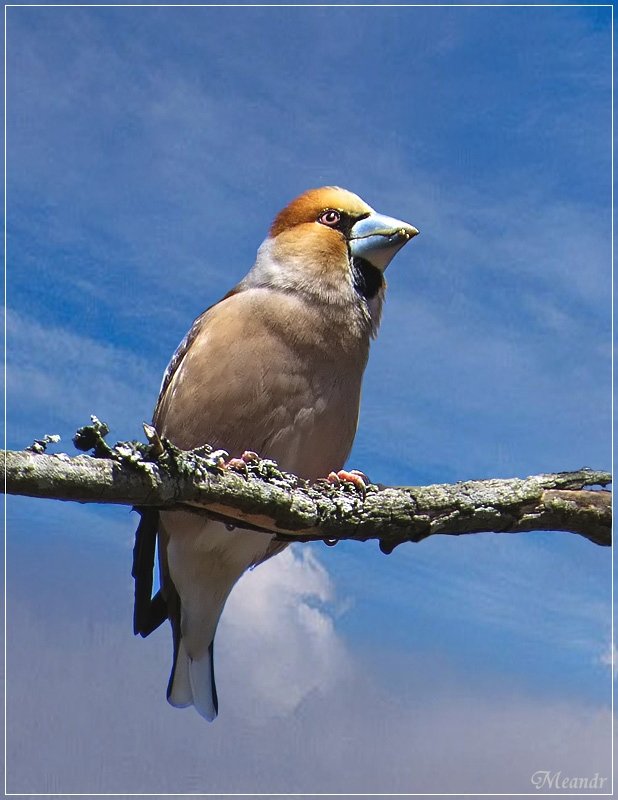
[149,612]
[181,351]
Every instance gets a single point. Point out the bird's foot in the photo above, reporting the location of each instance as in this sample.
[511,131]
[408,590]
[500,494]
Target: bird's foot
[241,464]
[237,465]
[353,477]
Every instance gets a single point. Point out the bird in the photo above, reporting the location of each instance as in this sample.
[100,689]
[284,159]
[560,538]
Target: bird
[273,368]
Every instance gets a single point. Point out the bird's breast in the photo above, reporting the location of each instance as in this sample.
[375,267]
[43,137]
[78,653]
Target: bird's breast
[273,374]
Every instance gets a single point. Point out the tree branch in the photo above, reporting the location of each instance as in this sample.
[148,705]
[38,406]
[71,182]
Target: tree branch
[256,494]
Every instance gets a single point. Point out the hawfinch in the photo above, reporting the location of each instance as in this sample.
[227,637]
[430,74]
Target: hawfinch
[274,367]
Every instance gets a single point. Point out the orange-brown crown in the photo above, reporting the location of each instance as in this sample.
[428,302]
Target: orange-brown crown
[308,206]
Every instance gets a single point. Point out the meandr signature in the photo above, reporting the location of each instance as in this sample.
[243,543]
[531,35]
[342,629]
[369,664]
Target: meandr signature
[546,779]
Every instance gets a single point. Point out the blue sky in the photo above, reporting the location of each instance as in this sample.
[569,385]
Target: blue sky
[148,150]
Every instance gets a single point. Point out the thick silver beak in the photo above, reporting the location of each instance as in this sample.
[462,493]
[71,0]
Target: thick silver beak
[377,239]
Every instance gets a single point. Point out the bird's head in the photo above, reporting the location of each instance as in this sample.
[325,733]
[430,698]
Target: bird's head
[330,245]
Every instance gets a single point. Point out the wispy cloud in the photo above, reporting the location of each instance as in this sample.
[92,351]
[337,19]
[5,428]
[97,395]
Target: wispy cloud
[57,378]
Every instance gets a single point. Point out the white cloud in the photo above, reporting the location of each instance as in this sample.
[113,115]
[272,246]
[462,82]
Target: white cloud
[280,617]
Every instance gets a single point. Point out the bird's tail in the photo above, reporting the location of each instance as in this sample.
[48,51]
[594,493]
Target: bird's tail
[192,682]
[201,562]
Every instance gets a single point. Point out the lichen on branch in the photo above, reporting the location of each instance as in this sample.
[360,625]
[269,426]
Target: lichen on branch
[256,494]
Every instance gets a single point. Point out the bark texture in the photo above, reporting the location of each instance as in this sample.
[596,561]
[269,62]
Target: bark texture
[256,494]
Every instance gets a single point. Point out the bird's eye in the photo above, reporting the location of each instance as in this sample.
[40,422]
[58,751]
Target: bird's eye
[330,217]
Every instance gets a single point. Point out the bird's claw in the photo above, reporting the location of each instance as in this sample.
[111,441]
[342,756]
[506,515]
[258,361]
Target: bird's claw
[354,477]
[242,464]
[238,465]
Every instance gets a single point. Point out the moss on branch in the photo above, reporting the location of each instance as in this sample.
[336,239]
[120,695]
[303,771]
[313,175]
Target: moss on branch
[257,494]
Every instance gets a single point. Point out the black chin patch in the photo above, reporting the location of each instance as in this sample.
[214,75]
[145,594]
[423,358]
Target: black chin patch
[367,279]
